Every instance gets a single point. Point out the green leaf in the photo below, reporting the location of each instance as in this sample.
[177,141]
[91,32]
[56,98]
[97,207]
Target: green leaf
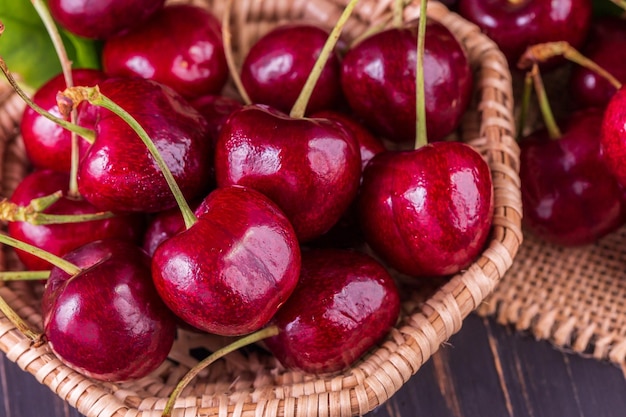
[28,51]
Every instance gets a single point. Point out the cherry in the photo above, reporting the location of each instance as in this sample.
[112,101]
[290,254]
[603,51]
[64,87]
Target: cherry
[102,19]
[180,46]
[119,174]
[233,268]
[569,195]
[613,135]
[606,46]
[378,80]
[516,24]
[59,239]
[345,302]
[107,321]
[427,212]
[161,227]
[310,167]
[48,146]
[216,110]
[278,64]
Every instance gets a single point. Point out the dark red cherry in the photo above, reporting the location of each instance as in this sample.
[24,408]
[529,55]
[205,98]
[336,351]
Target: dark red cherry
[514,25]
[278,65]
[180,46]
[216,110]
[60,239]
[569,195]
[344,304]
[230,272]
[107,322]
[48,145]
[378,80]
[119,174]
[427,212]
[310,167]
[102,19]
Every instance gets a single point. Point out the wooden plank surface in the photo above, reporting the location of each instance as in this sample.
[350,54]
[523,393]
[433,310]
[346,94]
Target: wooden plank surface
[485,370]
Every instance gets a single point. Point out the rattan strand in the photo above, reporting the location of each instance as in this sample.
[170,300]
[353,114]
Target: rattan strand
[255,384]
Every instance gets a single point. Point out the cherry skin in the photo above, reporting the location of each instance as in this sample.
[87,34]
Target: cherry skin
[515,25]
[107,322]
[160,228]
[230,272]
[613,136]
[427,212]
[180,46]
[344,304]
[103,18]
[378,81]
[60,239]
[569,195]
[216,110]
[309,167]
[278,65]
[119,174]
[48,145]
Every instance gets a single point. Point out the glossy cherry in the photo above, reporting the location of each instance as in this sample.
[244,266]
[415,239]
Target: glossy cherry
[48,146]
[216,110]
[278,65]
[119,174]
[310,167]
[107,322]
[344,304]
[60,239]
[230,272]
[102,19]
[613,135]
[516,24]
[427,212]
[378,80]
[569,195]
[180,46]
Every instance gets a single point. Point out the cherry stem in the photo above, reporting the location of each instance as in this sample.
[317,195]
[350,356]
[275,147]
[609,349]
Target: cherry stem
[193,372]
[544,104]
[32,213]
[620,3]
[525,103]
[299,108]
[398,11]
[87,134]
[76,95]
[66,67]
[541,52]
[24,275]
[18,322]
[57,261]
[421,137]
[228,52]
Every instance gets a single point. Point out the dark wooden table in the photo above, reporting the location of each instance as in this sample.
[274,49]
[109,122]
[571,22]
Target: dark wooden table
[486,370]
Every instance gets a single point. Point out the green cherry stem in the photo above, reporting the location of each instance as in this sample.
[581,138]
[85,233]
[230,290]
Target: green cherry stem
[18,322]
[421,138]
[193,372]
[88,134]
[541,52]
[57,261]
[299,107]
[544,104]
[228,52]
[525,104]
[398,12]
[620,3]
[24,275]
[76,95]
[32,214]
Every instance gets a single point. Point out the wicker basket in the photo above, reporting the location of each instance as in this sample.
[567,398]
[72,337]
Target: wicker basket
[254,384]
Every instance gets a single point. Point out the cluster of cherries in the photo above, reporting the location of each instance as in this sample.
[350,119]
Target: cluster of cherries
[276,187]
[572,168]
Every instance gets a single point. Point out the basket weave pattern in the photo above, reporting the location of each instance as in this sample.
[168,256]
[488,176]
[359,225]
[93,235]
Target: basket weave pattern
[254,384]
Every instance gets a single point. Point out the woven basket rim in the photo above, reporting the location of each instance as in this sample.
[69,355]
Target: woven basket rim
[489,127]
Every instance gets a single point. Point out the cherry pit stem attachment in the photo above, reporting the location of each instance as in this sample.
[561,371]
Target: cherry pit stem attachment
[72,97]
[238,344]
[299,108]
